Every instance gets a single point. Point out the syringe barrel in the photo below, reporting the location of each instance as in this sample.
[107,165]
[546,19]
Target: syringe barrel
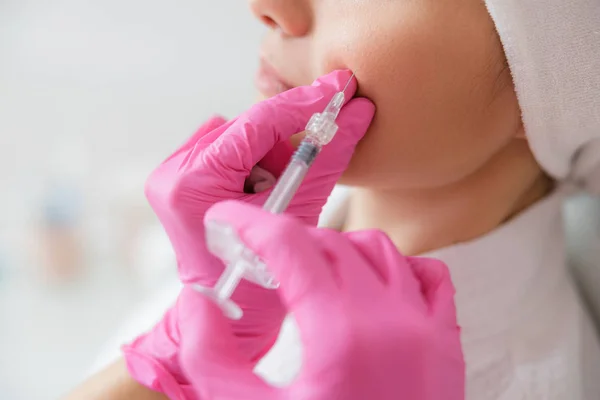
[307,152]
[292,178]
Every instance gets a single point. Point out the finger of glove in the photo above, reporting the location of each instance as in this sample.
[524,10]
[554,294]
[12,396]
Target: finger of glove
[353,122]
[385,263]
[209,352]
[437,288]
[209,126]
[275,120]
[287,247]
[162,178]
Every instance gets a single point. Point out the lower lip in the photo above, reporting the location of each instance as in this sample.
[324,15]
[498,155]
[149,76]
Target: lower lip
[268,83]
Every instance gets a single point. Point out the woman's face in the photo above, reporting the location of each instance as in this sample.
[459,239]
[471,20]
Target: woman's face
[435,69]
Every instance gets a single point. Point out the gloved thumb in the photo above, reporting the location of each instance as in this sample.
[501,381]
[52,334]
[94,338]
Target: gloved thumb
[210,356]
[353,122]
[287,247]
[257,132]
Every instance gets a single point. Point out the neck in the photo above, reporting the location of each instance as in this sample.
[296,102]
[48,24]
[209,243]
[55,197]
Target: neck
[421,220]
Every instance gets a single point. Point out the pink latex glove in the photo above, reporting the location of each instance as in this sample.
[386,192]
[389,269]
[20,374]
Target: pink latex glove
[374,324]
[215,165]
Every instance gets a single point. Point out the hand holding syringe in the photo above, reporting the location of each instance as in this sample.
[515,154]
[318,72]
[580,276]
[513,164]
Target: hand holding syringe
[222,241]
[212,166]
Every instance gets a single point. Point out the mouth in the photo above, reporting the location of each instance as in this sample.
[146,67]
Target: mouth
[268,81]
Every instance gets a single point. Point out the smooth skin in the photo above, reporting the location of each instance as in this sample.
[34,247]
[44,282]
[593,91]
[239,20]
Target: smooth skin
[446,159]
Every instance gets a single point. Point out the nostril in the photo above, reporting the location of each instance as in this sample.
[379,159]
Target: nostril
[270,22]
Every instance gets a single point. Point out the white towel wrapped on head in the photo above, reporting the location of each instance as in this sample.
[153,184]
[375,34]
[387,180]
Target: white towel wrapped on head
[553,50]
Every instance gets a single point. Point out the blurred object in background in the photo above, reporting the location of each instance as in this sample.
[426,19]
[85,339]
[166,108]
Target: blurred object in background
[60,236]
[61,255]
[93,95]
[139,243]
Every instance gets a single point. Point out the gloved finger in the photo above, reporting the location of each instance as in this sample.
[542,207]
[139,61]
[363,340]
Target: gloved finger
[275,120]
[353,121]
[209,126]
[278,158]
[202,329]
[161,180]
[209,352]
[289,250]
[437,288]
[387,264]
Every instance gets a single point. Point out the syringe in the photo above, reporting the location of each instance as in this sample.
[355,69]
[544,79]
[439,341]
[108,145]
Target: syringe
[222,240]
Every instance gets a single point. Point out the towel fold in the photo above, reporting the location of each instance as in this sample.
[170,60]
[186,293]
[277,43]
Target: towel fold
[553,49]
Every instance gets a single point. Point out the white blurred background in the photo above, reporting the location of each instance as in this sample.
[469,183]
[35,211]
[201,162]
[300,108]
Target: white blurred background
[93,95]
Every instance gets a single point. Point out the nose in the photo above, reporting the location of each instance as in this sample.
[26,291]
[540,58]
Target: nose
[292,17]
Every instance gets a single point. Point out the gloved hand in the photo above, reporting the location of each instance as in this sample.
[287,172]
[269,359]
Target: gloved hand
[215,165]
[374,324]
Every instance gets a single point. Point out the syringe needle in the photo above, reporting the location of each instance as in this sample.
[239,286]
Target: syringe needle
[348,83]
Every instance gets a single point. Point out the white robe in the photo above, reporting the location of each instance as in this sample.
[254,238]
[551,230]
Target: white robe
[525,333]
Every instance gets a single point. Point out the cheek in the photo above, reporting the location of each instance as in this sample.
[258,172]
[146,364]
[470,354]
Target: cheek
[434,124]
[424,134]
